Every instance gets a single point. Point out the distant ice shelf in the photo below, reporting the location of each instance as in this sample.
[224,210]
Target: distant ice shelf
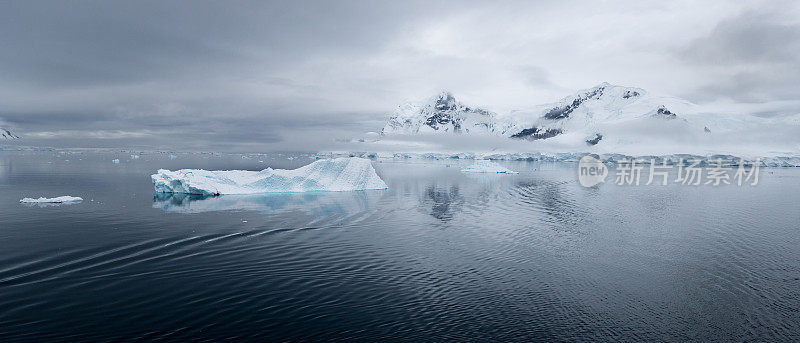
[56,200]
[332,175]
[671,159]
[486,166]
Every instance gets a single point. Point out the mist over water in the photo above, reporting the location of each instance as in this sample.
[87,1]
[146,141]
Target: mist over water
[439,255]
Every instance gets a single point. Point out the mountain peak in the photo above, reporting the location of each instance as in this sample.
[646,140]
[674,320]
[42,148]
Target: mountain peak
[441,113]
[444,94]
[446,101]
[7,134]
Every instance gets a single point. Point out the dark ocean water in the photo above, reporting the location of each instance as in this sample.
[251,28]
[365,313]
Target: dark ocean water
[440,255]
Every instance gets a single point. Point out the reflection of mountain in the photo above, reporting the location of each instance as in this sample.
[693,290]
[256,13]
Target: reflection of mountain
[322,204]
[552,200]
[444,203]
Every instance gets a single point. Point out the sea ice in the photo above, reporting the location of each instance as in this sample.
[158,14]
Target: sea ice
[116,160]
[56,200]
[338,174]
[487,166]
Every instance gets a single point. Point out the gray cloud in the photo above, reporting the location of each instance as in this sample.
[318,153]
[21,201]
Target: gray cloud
[746,39]
[296,75]
[751,57]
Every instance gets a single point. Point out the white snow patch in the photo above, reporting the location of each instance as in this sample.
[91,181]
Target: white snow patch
[486,166]
[337,174]
[56,200]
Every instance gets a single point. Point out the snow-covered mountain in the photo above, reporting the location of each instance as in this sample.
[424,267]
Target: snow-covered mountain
[442,113]
[7,134]
[590,111]
[604,118]
[582,111]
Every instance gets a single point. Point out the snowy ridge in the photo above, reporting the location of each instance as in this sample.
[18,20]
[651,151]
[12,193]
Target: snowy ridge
[671,159]
[337,174]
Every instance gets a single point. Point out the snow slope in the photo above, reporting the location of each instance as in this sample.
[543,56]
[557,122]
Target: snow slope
[338,174]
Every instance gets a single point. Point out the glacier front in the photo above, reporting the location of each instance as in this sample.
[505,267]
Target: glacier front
[336,174]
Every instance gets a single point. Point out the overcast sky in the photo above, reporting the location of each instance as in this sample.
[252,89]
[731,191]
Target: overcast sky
[254,76]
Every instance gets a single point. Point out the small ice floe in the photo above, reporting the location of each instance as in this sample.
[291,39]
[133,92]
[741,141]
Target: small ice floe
[134,157]
[172,157]
[487,166]
[331,175]
[57,200]
[116,160]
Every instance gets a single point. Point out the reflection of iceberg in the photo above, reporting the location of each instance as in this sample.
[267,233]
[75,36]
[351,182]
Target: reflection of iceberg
[319,204]
[338,174]
[487,166]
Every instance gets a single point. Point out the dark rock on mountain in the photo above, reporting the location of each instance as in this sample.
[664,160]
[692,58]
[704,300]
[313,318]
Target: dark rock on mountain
[663,113]
[535,133]
[630,94]
[7,134]
[563,112]
[594,140]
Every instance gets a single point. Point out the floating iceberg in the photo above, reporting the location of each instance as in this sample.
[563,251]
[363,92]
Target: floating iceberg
[486,166]
[338,174]
[56,200]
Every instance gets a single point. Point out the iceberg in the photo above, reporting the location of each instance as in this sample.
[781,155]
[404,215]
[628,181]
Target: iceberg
[487,166]
[329,175]
[56,200]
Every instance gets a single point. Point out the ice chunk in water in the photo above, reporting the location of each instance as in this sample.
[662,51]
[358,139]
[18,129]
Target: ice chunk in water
[338,174]
[56,200]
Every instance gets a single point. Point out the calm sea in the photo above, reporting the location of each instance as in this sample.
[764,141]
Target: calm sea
[440,255]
